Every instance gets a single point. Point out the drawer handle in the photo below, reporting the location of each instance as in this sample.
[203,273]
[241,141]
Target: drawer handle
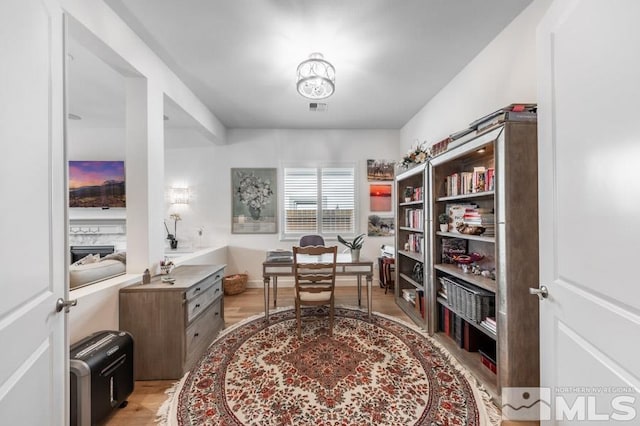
[197,289]
[197,306]
[217,313]
[196,334]
[217,290]
[217,277]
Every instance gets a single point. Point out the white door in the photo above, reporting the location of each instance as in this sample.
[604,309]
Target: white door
[33,351]
[589,164]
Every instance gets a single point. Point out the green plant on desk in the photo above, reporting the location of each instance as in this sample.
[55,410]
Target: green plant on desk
[354,245]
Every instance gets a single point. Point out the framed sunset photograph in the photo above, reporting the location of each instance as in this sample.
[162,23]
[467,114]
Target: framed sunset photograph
[380,199]
[97,184]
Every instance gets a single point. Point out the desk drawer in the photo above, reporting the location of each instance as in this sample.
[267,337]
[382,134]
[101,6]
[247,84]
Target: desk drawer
[202,301]
[202,332]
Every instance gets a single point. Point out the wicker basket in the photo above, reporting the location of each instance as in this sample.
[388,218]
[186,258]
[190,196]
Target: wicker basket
[235,284]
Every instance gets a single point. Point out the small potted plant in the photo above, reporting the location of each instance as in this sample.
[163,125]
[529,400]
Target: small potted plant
[443,219]
[354,245]
[408,194]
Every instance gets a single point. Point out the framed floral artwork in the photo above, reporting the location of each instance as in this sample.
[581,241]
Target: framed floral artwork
[254,201]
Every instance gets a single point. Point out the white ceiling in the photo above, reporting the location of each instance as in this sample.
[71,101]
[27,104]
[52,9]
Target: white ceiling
[240,56]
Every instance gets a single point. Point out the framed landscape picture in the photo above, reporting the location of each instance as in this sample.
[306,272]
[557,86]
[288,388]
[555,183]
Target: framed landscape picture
[97,184]
[380,170]
[380,226]
[254,201]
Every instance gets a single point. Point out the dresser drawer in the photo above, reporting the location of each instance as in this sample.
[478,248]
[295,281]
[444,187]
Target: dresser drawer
[198,304]
[202,286]
[202,332]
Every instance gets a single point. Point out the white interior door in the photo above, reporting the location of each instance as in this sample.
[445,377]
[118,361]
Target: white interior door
[33,369]
[589,145]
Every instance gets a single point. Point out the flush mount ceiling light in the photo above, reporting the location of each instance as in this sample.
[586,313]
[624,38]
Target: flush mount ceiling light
[316,77]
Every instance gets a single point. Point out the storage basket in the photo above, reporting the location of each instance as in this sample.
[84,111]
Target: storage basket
[235,284]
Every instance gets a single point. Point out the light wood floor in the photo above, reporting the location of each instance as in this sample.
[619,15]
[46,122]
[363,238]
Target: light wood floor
[149,395]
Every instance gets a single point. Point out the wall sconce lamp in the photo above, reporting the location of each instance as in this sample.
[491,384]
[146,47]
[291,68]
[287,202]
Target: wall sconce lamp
[179,195]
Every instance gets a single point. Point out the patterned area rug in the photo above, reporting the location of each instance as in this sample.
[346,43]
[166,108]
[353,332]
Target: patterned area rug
[378,372]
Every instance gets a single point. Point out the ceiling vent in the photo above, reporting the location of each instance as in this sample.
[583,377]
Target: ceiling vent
[317,107]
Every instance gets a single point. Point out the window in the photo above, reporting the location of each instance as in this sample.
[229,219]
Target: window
[319,200]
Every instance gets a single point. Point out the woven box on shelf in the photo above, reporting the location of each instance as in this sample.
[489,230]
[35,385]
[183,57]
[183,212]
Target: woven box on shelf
[235,284]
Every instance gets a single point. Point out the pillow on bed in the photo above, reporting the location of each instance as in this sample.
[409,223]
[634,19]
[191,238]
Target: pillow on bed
[90,258]
[121,256]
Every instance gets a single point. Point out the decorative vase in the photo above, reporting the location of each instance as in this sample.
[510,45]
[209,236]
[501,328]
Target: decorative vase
[355,255]
[254,212]
[174,244]
[444,227]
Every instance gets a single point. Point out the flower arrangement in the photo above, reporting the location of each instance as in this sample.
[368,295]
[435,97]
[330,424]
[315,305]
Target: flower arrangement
[173,237]
[419,153]
[254,192]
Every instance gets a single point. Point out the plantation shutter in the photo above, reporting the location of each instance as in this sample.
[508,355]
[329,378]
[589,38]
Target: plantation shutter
[319,201]
[338,196]
[300,200]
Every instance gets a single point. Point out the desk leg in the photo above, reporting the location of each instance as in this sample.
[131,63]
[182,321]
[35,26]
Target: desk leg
[369,294]
[359,289]
[266,298]
[275,290]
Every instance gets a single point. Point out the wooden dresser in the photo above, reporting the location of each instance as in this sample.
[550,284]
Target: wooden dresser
[173,324]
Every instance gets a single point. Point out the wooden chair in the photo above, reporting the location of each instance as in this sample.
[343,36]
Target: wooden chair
[311,240]
[314,270]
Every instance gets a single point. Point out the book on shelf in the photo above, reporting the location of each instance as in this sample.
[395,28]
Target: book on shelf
[512,112]
[415,243]
[452,247]
[446,320]
[458,330]
[488,360]
[456,215]
[414,218]
[486,325]
[470,338]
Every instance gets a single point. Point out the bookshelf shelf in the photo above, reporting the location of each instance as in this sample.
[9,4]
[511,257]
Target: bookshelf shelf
[480,281]
[502,163]
[411,281]
[406,228]
[467,236]
[472,196]
[412,254]
[411,203]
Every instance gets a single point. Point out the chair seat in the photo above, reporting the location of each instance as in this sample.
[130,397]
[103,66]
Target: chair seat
[322,296]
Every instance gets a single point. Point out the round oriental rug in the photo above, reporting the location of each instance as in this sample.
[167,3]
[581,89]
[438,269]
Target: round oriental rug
[370,372]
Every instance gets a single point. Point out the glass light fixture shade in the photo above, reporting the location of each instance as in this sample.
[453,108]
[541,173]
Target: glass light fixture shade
[316,77]
[179,196]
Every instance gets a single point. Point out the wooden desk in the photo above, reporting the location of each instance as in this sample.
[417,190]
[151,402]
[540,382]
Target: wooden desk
[344,267]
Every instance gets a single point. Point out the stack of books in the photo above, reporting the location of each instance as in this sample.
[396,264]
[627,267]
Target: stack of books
[279,255]
[481,217]
[490,324]
[513,112]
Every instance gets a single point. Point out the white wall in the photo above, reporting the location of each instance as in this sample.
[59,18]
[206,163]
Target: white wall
[503,73]
[207,171]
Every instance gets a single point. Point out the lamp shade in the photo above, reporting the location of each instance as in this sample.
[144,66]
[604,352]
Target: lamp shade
[316,77]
